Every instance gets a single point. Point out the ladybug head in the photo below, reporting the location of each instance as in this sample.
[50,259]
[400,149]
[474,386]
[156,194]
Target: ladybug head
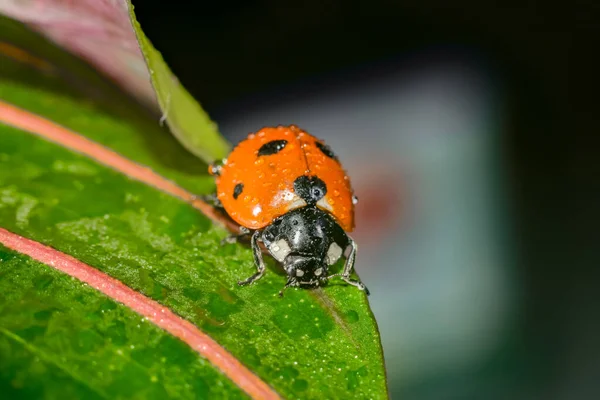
[306,241]
[305,269]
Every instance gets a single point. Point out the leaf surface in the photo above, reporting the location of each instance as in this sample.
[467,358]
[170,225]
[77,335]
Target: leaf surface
[310,344]
[62,339]
[98,31]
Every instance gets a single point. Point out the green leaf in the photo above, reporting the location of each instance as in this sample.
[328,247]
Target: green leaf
[62,339]
[187,120]
[97,31]
[55,339]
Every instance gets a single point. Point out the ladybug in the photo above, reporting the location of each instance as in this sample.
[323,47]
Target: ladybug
[287,190]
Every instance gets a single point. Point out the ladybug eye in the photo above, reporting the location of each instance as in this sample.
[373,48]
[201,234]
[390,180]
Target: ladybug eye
[272,147]
[326,150]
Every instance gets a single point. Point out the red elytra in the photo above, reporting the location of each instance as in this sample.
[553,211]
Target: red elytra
[255,184]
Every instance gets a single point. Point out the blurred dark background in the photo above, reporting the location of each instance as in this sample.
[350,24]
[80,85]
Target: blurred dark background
[521,79]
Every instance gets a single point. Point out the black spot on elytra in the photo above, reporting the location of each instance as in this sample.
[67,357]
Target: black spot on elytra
[310,188]
[326,150]
[272,147]
[237,190]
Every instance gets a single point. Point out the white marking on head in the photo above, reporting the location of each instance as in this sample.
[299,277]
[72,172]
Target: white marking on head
[297,235]
[297,203]
[288,195]
[279,249]
[333,253]
[324,204]
[291,199]
[299,272]
[319,271]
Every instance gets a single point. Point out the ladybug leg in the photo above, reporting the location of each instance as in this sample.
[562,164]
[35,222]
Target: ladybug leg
[290,282]
[211,199]
[349,266]
[234,238]
[215,168]
[258,260]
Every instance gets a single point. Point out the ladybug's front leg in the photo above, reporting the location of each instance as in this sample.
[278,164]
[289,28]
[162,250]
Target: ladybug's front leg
[291,282]
[258,260]
[349,266]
